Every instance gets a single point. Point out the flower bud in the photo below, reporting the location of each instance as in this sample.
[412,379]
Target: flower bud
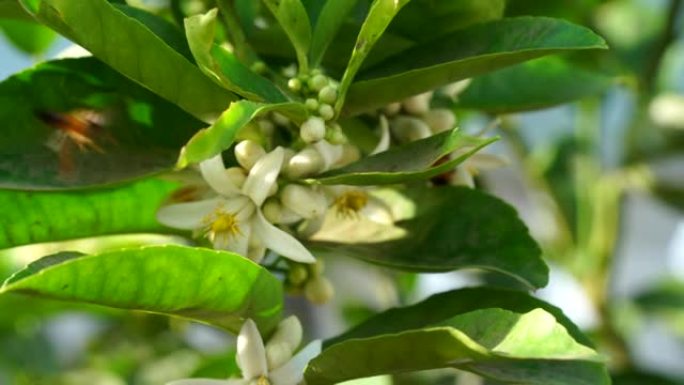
[392,109]
[453,90]
[418,104]
[248,152]
[305,163]
[330,153]
[237,176]
[266,127]
[280,119]
[289,332]
[311,104]
[272,210]
[326,111]
[304,201]
[335,135]
[312,130]
[294,84]
[318,267]
[319,290]
[350,154]
[440,120]
[317,82]
[298,274]
[408,129]
[259,67]
[277,354]
[327,94]
[667,110]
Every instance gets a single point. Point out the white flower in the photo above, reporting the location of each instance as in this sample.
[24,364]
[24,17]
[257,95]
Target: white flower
[233,221]
[352,202]
[273,364]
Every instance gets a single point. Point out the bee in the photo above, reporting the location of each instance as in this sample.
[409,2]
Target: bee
[75,130]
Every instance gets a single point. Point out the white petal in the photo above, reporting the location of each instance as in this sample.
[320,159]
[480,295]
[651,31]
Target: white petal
[237,243]
[289,331]
[384,142]
[214,172]
[330,153]
[293,372]
[280,241]
[263,175]
[187,216]
[251,354]
[206,381]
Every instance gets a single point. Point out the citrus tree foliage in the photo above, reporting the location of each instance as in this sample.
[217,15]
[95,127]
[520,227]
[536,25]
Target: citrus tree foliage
[268,136]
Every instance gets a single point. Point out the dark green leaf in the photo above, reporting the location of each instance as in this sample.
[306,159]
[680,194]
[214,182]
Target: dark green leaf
[530,348]
[667,296]
[410,162]
[537,84]
[379,17]
[642,378]
[222,66]
[11,9]
[77,123]
[32,38]
[221,135]
[292,17]
[330,20]
[133,49]
[455,228]
[34,217]
[214,287]
[466,53]
[424,20]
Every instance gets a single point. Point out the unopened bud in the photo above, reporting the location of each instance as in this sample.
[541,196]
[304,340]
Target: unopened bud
[304,201]
[440,120]
[289,332]
[272,210]
[408,129]
[328,94]
[248,152]
[311,104]
[277,354]
[326,111]
[350,154]
[280,119]
[298,274]
[317,82]
[319,290]
[237,176]
[335,135]
[259,67]
[294,84]
[305,163]
[418,104]
[318,267]
[392,109]
[266,127]
[312,130]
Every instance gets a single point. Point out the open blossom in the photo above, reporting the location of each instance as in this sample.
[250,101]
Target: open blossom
[233,220]
[272,364]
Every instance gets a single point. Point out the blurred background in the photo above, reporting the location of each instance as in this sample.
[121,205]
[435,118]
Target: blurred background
[630,134]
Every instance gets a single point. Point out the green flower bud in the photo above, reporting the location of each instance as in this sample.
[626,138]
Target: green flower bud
[317,82]
[326,111]
[327,95]
[312,130]
[248,152]
[294,84]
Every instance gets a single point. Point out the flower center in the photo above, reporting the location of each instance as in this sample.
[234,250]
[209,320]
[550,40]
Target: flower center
[350,203]
[221,226]
[261,381]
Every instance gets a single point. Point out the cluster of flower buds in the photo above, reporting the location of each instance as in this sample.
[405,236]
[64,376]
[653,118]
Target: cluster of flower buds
[309,280]
[414,119]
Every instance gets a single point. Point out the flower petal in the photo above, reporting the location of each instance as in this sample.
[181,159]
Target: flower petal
[280,241]
[462,177]
[206,381]
[214,173]
[187,216]
[331,153]
[384,142]
[237,243]
[293,371]
[486,161]
[262,176]
[251,354]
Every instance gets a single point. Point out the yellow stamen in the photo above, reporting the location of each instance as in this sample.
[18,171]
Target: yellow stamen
[221,225]
[350,203]
[263,381]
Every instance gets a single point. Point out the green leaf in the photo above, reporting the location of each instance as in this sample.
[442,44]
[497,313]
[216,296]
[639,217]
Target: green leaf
[222,66]
[530,348]
[34,217]
[379,17]
[407,163]
[633,377]
[425,20]
[292,17]
[133,49]
[454,228]
[537,84]
[32,38]
[214,287]
[221,135]
[329,21]
[466,53]
[11,9]
[76,123]
[666,296]
[443,306]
